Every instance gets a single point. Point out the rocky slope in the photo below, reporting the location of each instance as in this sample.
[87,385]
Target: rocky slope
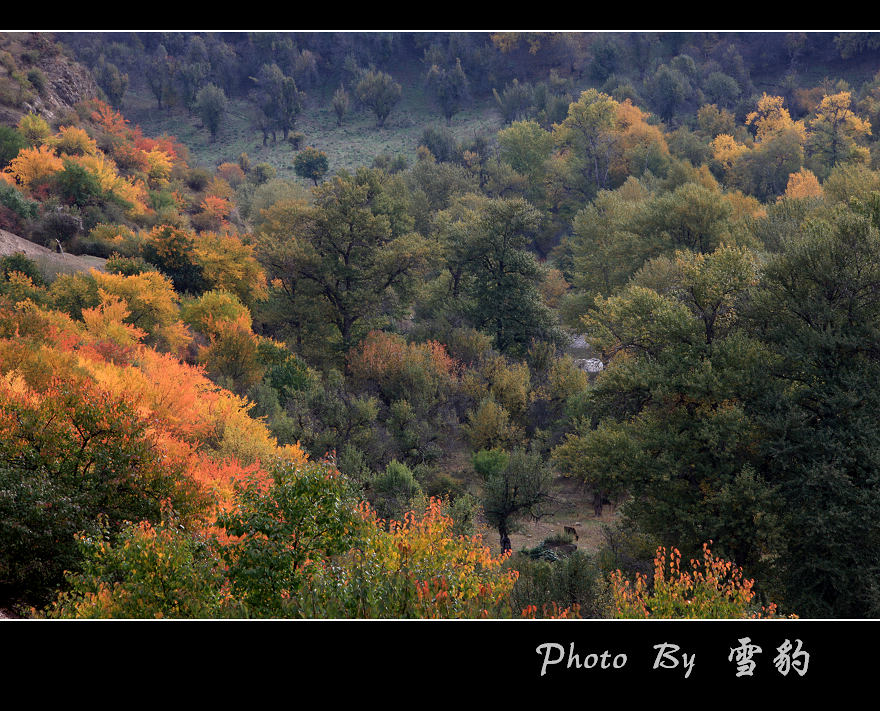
[37,76]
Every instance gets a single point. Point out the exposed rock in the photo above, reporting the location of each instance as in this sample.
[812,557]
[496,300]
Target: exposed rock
[590,365]
[69,83]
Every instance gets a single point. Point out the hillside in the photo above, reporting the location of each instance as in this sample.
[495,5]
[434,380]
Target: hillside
[37,75]
[49,262]
[341,382]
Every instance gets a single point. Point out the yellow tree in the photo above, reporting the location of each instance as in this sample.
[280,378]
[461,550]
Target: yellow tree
[803,184]
[835,132]
[771,118]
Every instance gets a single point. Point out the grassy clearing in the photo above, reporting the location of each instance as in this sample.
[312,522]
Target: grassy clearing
[356,143]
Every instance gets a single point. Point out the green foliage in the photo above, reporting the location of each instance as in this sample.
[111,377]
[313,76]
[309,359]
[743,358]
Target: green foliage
[449,86]
[77,185]
[283,533]
[76,455]
[171,249]
[341,104]
[19,262]
[71,293]
[311,164]
[441,142]
[378,92]
[394,491]
[13,199]
[11,142]
[211,105]
[521,489]
[488,257]
[490,462]
[354,260]
[151,572]
[819,307]
[127,266]
[569,581]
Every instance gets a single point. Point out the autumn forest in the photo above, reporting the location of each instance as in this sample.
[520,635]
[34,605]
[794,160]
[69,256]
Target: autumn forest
[325,324]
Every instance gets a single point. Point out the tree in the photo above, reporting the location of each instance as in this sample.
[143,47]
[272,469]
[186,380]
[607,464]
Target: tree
[193,71]
[764,170]
[171,250]
[11,142]
[160,75]
[290,102]
[378,92]
[835,134]
[112,81]
[818,311]
[70,454]
[449,86]
[148,571]
[341,104]
[713,588]
[310,163]
[587,140]
[414,568]
[526,147]
[211,106]
[513,489]
[282,534]
[669,89]
[492,268]
[352,255]
[669,420]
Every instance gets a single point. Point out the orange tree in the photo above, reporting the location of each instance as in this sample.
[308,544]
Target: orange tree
[712,588]
[68,453]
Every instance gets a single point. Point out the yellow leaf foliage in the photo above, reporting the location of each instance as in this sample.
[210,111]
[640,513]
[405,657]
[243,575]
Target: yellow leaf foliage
[74,141]
[231,265]
[803,184]
[771,118]
[33,165]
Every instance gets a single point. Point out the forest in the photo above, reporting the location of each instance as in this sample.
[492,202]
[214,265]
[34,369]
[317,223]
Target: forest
[439,325]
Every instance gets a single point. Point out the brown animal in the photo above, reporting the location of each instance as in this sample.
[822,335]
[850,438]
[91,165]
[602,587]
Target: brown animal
[571,531]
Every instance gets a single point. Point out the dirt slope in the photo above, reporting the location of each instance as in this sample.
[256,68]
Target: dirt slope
[49,262]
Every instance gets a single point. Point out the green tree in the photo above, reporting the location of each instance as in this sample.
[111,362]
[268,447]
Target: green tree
[113,82]
[588,142]
[669,420]
[210,105]
[449,86]
[282,534]
[11,142]
[310,163]
[76,455]
[146,571]
[351,256]
[836,134]
[341,104]
[378,92]
[160,75]
[193,70]
[290,103]
[818,311]
[519,489]
[493,269]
